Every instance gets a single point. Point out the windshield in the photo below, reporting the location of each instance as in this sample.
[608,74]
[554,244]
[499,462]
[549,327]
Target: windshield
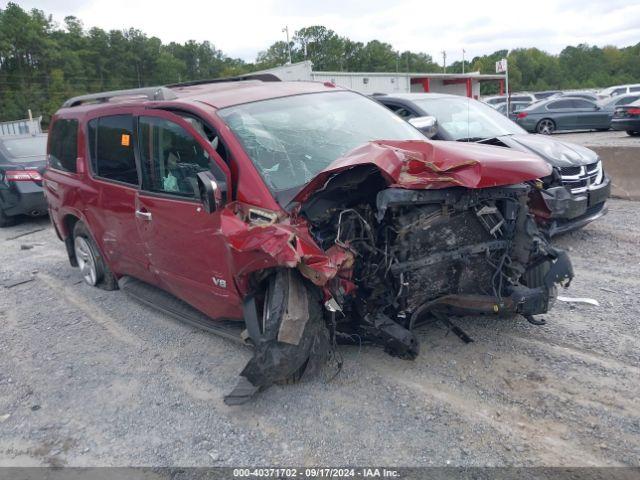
[23,148]
[467,119]
[291,139]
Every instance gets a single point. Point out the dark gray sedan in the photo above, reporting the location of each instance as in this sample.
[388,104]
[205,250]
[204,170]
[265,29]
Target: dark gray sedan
[564,113]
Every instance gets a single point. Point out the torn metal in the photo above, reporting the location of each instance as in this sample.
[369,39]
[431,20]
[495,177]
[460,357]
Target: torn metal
[392,234]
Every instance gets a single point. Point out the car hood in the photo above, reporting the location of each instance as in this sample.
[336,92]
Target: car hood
[556,152]
[422,165]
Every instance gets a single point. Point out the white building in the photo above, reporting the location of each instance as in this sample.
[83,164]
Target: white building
[465,84]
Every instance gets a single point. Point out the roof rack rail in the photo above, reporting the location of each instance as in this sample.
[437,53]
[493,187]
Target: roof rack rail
[151,93]
[264,77]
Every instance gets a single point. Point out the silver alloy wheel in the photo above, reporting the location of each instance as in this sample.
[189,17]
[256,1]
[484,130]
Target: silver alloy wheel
[546,127]
[86,261]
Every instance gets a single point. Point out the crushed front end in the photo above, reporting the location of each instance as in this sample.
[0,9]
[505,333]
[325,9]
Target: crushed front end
[390,236]
[451,251]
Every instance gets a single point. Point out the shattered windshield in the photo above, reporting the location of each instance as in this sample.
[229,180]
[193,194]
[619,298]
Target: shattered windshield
[291,139]
[467,119]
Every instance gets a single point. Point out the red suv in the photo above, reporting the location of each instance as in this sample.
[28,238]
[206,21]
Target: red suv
[293,216]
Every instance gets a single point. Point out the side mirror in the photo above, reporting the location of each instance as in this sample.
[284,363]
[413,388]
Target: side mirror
[597,107]
[210,191]
[427,125]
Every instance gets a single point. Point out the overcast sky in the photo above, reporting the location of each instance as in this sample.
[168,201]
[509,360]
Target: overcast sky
[241,28]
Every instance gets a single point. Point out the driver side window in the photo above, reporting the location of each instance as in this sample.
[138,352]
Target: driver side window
[170,158]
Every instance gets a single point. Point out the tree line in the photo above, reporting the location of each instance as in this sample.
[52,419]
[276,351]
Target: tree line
[43,63]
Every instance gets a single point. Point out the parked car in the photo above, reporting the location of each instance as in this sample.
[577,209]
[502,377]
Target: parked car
[22,157]
[610,104]
[627,118]
[563,113]
[515,97]
[619,90]
[546,94]
[591,96]
[276,207]
[578,178]
[514,108]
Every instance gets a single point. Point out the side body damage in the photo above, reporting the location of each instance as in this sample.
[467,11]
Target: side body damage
[388,236]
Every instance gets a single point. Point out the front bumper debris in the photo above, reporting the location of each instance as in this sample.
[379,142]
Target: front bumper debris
[569,212]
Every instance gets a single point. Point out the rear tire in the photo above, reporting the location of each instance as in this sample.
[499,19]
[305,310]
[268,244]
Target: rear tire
[633,133]
[6,221]
[93,268]
[546,126]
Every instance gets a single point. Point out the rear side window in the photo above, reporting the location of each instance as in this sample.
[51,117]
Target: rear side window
[63,145]
[634,89]
[560,104]
[577,103]
[626,100]
[111,146]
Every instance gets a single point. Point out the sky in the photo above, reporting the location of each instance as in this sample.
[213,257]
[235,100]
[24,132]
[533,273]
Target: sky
[242,28]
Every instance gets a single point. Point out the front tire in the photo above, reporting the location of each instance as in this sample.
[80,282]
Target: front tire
[633,133]
[93,268]
[283,363]
[546,126]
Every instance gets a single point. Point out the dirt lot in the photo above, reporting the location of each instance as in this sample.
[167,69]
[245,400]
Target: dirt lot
[91,378]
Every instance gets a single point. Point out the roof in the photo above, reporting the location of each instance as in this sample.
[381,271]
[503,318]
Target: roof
[217,94]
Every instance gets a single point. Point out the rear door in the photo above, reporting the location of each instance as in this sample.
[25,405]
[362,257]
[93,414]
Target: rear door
[184,243]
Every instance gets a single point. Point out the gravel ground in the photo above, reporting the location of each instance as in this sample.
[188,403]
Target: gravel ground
[611,138]
[92,378]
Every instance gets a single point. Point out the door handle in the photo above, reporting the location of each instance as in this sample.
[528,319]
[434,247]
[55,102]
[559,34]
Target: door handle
[143,215]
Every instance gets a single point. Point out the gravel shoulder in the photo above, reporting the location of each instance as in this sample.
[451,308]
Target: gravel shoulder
[91,378]
[610,138]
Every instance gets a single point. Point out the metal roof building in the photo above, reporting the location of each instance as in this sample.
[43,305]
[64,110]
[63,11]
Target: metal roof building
[465,84]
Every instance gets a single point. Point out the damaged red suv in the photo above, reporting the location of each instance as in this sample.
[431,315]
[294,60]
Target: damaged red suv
[294,216]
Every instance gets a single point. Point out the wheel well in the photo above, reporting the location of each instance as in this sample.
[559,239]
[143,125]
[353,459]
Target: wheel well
[69,223]
[543,119]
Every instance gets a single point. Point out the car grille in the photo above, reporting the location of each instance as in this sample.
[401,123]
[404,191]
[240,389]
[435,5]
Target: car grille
[579,179]
[570,171]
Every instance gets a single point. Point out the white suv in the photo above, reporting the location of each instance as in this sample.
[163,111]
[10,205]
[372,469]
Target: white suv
[619,90]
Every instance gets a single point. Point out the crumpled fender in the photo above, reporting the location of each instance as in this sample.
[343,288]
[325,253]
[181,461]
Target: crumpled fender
[436,164]
[285,243]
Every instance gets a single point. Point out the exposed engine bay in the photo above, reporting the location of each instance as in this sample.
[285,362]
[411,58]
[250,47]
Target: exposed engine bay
[452,251]
[403,256]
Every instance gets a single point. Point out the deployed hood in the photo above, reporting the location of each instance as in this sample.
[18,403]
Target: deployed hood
[422,165]
[556,152]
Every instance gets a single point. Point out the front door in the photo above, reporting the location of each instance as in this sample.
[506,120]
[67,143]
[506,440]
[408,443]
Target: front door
[110,202]
[589,115]
[184,243]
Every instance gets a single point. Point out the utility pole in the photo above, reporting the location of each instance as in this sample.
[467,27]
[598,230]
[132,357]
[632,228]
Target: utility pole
[463,52]
[444,61]
[286,30]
